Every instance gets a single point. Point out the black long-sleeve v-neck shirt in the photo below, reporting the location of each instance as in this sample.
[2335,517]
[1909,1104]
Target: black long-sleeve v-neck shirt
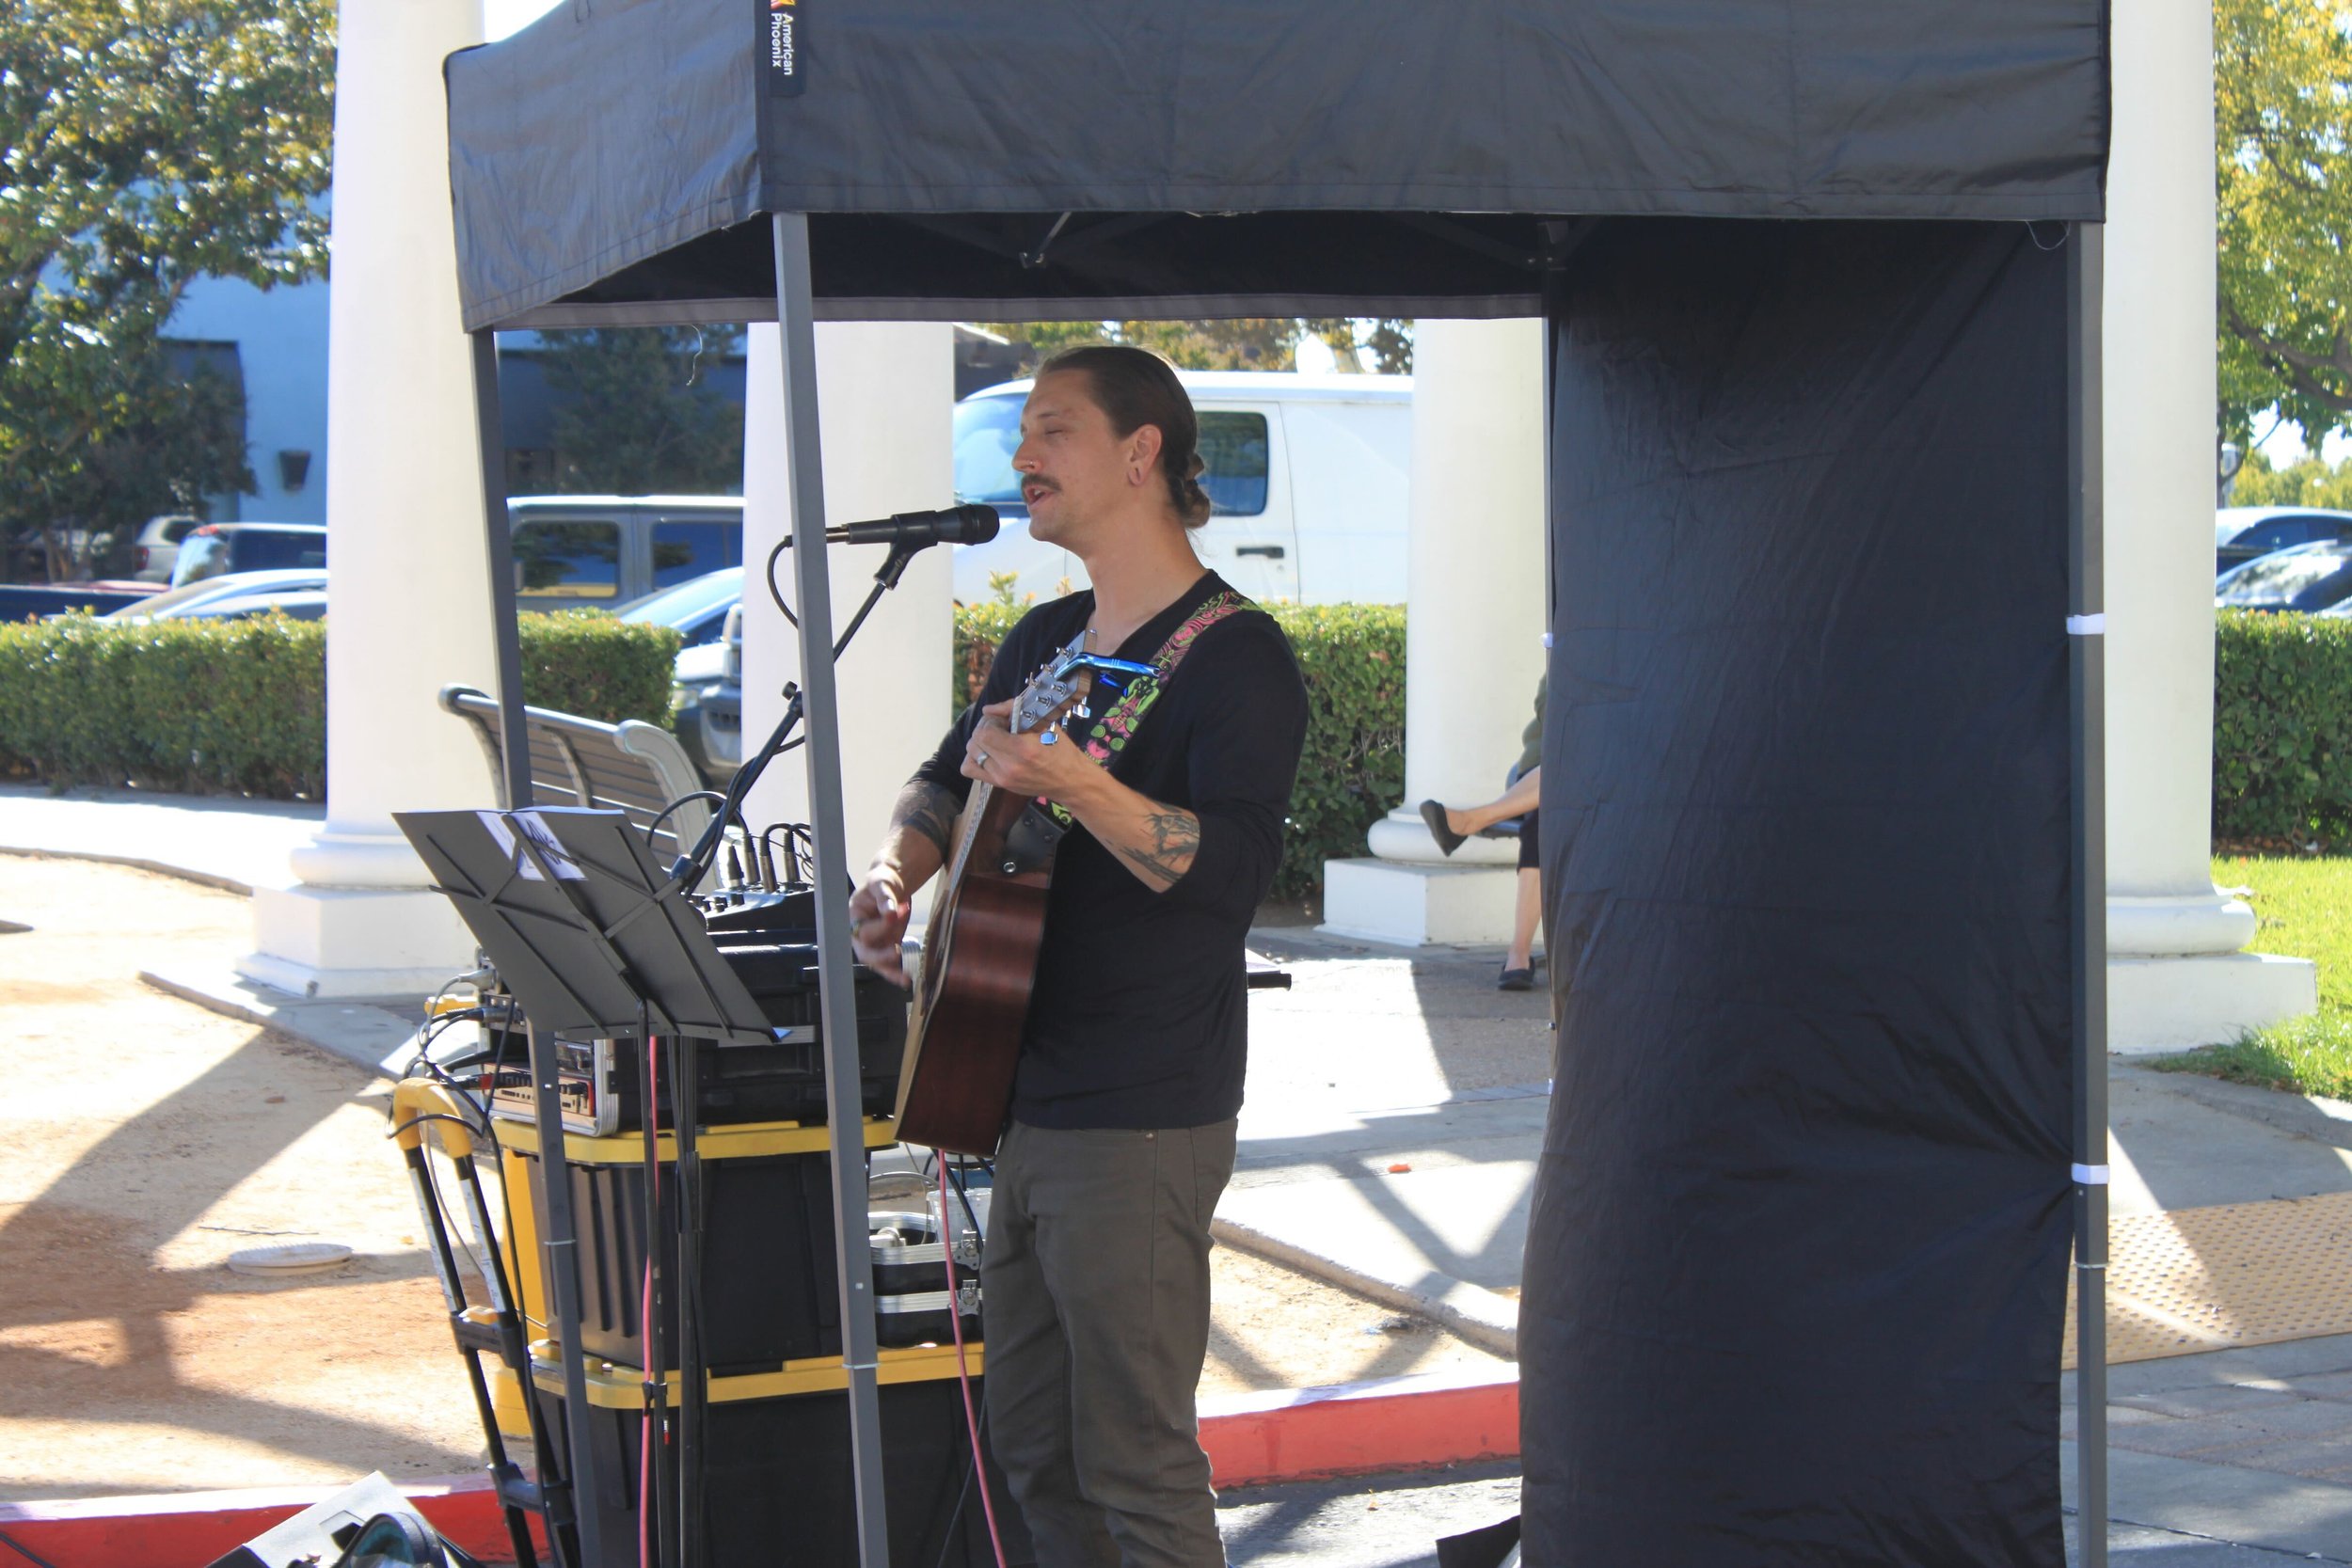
[1138,1017]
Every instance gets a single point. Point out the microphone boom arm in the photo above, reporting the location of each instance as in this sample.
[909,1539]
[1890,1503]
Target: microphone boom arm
[688,867]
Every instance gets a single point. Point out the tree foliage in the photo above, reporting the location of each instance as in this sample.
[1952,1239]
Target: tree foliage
[2312,481]
[2282,106]
[1241,344]
[638,413]
[143,144]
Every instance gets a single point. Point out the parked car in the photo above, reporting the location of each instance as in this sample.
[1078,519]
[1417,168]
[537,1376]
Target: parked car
[2243,534]
[602,552]
[189,597]
[1311,477]
[158,547]
[707,612]
[2301,577]
[217,550]
[308,604]
[706,704]
[697,608]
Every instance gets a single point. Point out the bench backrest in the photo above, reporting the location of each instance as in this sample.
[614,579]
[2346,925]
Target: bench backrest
[631,767]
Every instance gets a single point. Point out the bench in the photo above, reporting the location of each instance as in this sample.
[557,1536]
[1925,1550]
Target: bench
[630,767]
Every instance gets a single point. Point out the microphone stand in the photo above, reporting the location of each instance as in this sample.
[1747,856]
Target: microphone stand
[685,1075]
[688,868]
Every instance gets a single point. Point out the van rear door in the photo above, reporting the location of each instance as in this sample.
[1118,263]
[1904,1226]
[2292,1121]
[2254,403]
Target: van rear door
[1251,539]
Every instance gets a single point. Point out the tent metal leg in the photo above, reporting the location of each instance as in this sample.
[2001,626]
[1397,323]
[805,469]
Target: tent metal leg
[559,1264]
[837,999]
[2086,622]
[490,431]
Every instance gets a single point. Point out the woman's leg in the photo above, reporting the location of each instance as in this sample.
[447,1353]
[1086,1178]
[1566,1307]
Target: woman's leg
[1524,917]
[1517,800]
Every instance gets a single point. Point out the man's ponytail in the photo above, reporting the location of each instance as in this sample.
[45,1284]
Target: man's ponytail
[1192,502]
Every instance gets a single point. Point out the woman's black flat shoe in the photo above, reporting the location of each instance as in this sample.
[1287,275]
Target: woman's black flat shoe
[1517,979]
[1433,813]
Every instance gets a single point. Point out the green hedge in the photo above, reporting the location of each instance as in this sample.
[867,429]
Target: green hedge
[588,663]
[1352,657]
[2283,729]
[240,705]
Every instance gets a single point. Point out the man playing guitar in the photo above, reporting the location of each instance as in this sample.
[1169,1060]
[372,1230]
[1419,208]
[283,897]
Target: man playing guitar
[1121,1134]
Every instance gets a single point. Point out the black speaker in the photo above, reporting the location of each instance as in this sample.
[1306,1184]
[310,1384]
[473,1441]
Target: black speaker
[779,1488]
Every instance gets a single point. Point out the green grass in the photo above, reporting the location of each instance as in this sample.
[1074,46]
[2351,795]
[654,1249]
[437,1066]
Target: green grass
[2305,907]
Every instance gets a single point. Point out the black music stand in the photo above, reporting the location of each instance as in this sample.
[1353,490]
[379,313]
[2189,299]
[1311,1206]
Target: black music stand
[597,941]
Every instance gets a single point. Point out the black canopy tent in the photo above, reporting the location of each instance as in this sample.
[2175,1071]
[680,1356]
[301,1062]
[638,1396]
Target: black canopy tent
[1827,885]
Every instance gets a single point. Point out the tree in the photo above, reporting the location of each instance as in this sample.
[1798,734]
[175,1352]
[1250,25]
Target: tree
[2283,109]
[143,144]
[1239,345]
[163,440]
[1192,345]
[638,415]
[1389,343]
[2309,482]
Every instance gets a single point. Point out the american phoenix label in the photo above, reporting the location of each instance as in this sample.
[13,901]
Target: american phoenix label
[783,24]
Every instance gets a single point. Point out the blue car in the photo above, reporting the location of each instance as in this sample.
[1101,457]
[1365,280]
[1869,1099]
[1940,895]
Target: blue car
[706,696]
[697,608]
[2308,577]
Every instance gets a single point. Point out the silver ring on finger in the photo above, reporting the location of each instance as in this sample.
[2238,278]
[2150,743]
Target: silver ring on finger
[980,758]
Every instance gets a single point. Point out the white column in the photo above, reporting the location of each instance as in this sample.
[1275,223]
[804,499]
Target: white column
[407,592]
[1473,634]
[2175,976]
[886,396]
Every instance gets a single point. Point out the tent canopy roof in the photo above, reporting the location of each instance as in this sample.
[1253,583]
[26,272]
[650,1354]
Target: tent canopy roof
[1096,158]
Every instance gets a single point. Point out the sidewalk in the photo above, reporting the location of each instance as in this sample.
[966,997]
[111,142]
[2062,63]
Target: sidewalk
[222,840]
[1396,1110]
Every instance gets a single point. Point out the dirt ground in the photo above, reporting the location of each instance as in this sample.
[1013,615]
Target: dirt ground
[148,1139]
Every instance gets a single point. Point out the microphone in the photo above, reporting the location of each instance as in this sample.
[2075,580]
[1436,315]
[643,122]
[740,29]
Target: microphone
[915,530]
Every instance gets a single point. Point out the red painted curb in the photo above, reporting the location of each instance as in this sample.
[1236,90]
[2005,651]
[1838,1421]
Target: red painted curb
[1398,1423]
[187,1530]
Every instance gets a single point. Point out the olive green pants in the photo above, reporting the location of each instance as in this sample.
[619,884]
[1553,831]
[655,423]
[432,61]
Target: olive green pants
[1095,1288]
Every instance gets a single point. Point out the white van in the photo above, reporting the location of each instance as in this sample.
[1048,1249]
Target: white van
[1310,474]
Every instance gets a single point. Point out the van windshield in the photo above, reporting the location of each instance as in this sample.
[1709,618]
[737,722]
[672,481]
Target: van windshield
[988,430]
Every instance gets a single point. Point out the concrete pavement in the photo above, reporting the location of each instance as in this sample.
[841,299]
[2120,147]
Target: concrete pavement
[1396,1108]
[222,840]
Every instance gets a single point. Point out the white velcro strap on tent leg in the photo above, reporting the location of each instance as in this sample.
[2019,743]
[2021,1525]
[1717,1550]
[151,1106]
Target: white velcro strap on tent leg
[2086,625]
[2091,1175]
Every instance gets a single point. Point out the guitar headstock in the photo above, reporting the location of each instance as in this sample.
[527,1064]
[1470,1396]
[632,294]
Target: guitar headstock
[1065,682]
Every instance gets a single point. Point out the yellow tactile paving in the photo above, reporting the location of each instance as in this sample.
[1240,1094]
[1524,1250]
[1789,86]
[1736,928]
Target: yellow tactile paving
[2237,1274]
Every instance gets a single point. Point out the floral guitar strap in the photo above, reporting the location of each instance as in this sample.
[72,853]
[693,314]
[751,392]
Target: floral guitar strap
[1117,726]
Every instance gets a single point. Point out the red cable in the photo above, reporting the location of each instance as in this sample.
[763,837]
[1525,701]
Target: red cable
[963,1366]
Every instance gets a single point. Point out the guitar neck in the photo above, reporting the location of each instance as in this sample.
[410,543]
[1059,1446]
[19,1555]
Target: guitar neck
[975,812]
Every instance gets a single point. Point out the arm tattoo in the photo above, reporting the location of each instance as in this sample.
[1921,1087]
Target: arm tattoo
[929,810]
[1175,837]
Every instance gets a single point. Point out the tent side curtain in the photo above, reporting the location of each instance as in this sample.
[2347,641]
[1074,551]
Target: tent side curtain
[1806,792]
[641,137]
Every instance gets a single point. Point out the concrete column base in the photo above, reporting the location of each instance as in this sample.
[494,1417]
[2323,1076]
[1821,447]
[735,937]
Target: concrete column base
[334,942]
[1402,836]
[2178,1004]
[1417,905]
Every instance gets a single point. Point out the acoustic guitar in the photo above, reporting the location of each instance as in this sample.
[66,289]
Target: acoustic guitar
[981,951]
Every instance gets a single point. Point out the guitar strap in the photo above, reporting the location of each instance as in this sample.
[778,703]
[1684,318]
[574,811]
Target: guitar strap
[1117,726]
